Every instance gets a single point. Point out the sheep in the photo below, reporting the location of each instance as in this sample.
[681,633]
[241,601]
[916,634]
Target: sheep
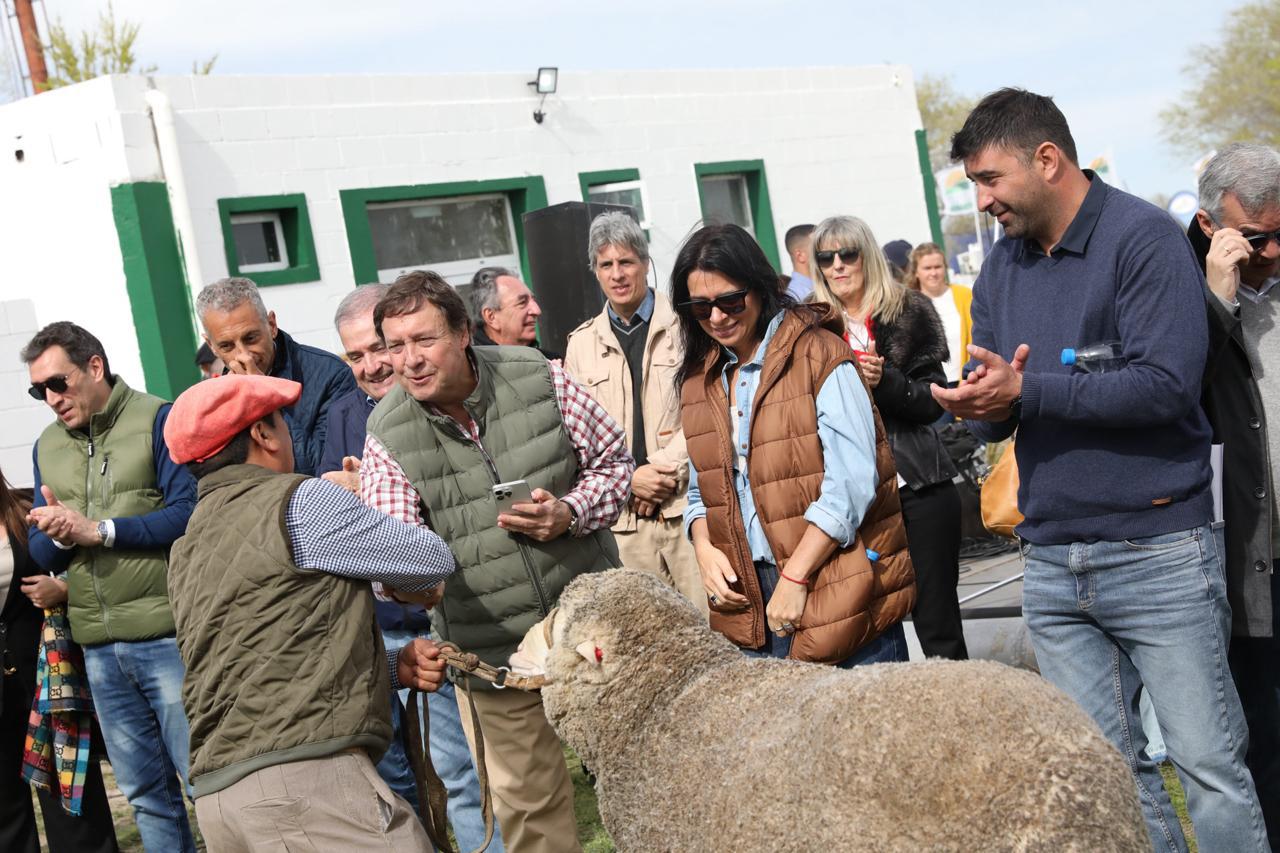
[698,747]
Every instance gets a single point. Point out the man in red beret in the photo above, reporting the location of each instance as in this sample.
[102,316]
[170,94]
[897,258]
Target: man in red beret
[287,685]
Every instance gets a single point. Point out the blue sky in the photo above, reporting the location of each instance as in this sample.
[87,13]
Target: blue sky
[1111,66]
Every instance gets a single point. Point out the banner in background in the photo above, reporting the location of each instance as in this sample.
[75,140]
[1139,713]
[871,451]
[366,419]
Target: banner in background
[956,192]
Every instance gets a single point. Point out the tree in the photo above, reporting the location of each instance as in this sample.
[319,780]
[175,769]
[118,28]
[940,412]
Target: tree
[1235,96]
[942,111]
[107,50]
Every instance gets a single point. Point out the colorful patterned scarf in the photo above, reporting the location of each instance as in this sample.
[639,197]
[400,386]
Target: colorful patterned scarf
[57,753]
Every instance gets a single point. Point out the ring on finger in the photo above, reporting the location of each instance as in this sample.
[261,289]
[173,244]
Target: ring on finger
[712,598]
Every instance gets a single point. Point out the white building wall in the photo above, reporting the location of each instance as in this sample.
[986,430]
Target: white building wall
[22,417]
[833,140]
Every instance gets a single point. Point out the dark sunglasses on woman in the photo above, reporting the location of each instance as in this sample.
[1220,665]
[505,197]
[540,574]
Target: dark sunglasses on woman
[826,259]
[729,303]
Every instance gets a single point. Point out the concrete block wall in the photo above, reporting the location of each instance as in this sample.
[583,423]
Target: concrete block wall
[21,418]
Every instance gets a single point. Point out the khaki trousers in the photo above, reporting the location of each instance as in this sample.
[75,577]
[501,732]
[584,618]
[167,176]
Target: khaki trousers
[333,803]
[532,792]
[659,546]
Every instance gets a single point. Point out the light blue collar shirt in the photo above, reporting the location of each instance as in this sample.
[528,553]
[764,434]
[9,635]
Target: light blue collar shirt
[846,430]
[644,312]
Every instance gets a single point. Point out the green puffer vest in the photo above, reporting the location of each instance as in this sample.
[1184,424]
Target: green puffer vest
[505,582]
[109,471]
[282,664]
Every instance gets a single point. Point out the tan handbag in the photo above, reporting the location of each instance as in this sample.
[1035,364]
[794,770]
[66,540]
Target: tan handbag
[1000,495]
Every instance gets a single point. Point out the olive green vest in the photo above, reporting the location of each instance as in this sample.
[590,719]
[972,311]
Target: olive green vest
[504,582]
[282,664]
[106,471]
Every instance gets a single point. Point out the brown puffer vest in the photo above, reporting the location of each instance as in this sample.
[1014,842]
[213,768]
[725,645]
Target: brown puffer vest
[851,599]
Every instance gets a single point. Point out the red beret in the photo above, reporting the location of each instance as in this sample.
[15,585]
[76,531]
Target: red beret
[209,414]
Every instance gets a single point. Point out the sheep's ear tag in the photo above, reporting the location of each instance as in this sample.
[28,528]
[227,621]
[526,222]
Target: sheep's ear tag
[590,652]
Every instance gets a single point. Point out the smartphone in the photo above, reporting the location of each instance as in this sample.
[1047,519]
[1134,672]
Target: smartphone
[508,494]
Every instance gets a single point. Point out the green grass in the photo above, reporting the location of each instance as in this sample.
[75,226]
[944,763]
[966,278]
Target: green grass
[1179,800]
[591,833]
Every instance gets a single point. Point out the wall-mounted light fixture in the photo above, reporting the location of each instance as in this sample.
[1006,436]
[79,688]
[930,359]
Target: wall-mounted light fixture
[544,84]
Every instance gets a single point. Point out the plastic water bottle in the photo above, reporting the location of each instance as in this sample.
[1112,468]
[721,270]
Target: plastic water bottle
[1105,357]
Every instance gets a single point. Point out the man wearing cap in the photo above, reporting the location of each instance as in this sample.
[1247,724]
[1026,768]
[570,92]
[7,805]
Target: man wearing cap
[287,684]
[108,504]
[243,333]
[400,622]
[461,420]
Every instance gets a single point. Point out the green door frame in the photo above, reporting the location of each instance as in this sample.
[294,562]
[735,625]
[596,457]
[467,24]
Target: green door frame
[757,196]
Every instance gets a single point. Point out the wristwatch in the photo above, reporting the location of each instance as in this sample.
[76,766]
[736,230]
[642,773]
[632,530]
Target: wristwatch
[104,531]
[574,521]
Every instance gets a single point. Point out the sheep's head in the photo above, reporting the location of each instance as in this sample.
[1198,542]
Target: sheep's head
[619,643]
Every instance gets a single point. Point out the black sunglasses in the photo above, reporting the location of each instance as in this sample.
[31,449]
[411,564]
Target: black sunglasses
[56,384]
[729,303]
[826,259]
[1258,242]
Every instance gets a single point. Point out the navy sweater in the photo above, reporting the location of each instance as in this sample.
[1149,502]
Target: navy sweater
[1112,456]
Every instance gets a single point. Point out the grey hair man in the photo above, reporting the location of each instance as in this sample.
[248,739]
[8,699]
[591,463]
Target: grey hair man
[630,352]
[243,333]
[1237,237]
[504,311]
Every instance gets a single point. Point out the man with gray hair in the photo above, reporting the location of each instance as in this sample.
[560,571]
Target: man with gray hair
[243,333]
[503,311]
[627,357]
[366,353]
[1236,234]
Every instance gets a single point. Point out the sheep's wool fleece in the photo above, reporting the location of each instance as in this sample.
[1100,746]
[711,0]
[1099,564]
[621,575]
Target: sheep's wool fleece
[697,747]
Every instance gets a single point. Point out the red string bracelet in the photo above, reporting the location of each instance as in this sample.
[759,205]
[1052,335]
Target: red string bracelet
[793,580]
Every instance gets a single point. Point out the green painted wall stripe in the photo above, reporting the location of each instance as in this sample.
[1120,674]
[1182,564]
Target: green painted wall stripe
[757,195]
[930,188]
[299,241]
[157,286]
[525,194]
[587,180]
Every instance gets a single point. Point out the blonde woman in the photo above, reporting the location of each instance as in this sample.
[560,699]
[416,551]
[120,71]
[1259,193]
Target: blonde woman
[927,273]
[901,345]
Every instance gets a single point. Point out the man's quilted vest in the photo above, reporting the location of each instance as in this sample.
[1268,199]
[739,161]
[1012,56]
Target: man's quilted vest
[106,471]
[282,664]
[852,599]
[505,582]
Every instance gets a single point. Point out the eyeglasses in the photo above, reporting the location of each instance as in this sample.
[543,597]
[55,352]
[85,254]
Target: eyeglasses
[56,384]
[826,259]
[728,303]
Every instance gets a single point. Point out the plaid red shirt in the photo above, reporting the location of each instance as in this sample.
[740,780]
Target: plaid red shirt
[605,465]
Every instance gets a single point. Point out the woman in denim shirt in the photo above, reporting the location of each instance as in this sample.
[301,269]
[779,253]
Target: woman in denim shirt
[815,583]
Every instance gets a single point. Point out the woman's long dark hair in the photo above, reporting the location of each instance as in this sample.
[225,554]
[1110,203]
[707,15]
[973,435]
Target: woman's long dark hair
[13,512]
[733,253]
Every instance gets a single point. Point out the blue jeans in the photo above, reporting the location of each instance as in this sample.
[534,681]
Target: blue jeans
[451,757]
[137,692]
[1255,667]
[891,646]
[1108,618]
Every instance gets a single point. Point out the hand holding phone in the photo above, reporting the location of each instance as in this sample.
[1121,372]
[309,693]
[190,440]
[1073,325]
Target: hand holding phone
[541,516]
[507,495]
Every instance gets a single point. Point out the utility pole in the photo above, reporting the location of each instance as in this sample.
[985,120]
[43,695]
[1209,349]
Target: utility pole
[36,69]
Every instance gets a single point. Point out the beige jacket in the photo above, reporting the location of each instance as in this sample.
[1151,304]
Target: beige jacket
[595,360]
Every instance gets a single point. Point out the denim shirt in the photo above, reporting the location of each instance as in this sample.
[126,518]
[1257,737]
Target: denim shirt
[847,432]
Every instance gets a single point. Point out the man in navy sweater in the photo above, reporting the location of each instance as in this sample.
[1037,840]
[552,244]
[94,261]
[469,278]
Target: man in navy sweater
[1124,581]
[370,364]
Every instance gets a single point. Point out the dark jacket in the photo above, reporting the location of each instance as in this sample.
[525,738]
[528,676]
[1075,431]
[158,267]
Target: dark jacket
[324,378]
[914,347]
[20,622]
[1229,395]
[481,338]
[344,436]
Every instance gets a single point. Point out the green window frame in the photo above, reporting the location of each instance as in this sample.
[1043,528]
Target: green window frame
[523,194]
[295,224]
[753,173]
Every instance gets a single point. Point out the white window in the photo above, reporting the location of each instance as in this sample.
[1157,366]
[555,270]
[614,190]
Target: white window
[725,200]
[259,239]
[450,236]
[629,193]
